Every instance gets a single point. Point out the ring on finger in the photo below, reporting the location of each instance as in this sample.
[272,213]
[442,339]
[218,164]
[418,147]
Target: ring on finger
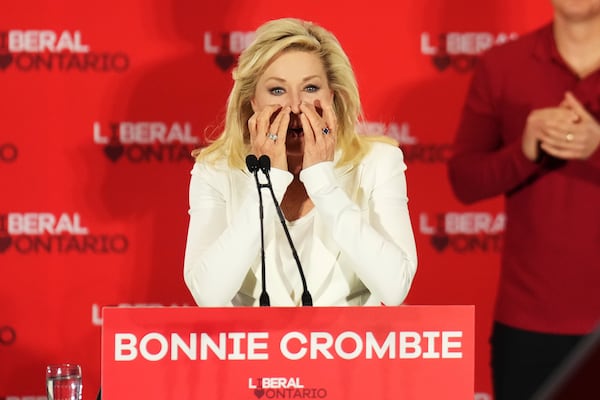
[325,131]
[272,136]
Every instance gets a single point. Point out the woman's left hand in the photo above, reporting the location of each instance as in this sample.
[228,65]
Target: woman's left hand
[320,134]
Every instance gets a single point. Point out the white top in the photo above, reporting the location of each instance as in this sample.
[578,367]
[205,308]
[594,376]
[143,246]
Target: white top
[356,246]
[302,232]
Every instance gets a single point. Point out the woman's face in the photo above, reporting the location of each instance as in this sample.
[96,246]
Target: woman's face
[294,77]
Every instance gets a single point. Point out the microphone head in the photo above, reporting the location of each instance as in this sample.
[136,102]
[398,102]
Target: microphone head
[265,163]
[252,163]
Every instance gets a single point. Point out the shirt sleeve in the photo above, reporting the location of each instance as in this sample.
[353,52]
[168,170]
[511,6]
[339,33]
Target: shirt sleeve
[382,246]
[482,165]
[222,245]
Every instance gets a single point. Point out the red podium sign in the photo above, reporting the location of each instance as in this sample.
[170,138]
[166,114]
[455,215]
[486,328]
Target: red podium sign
[335,353]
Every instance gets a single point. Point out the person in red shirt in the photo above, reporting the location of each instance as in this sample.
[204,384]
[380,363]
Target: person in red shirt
[529,131]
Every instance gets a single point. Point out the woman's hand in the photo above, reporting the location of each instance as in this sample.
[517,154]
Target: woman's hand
[268,137]
[320,133]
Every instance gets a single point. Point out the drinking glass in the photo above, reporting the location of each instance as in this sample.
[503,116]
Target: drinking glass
[63,382]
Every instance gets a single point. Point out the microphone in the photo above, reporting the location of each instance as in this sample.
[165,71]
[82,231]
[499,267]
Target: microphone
[252,164]
[264,163]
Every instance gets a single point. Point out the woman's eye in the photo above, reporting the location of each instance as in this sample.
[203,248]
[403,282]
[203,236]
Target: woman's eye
[311,88]
[277,91]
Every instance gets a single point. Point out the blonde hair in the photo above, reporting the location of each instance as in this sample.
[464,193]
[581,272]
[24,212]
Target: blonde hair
[273,38]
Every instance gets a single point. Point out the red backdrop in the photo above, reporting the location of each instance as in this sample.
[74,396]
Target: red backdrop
[88,221]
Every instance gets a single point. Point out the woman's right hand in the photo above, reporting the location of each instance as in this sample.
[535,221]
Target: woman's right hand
[268,130]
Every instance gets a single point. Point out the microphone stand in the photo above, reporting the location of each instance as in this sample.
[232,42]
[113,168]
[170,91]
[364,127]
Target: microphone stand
[265,165]
[253,166]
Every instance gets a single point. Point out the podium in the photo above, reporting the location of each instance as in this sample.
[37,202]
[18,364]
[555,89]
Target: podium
[335,353]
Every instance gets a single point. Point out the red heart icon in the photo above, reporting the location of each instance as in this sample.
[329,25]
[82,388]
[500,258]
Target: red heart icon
[440,242]
[5,241]
[114,151]
[224,60]
[441,61]
[5,60]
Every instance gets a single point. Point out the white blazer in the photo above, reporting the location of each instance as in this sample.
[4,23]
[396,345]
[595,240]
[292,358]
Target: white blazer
[363,251]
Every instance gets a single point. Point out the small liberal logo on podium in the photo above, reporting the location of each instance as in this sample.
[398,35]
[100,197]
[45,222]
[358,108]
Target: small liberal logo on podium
[284,388]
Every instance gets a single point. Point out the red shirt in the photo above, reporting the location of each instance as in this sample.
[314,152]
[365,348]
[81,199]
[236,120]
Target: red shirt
[550,276]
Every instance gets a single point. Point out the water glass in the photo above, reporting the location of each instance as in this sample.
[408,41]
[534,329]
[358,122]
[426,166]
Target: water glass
[63,382]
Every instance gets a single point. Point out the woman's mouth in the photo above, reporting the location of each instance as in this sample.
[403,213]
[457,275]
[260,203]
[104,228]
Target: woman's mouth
[294,133]
[294,141]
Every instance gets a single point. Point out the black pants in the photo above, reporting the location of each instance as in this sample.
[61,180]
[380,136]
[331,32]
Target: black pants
[522,360]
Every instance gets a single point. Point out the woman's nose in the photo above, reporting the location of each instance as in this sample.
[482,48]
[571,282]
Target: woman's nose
[295,107]
[295,99]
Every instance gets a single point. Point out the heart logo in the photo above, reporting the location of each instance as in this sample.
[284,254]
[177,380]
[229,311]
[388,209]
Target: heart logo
[440,242]
[441,61]
[114,151]
[5,242]
[224,60]
[5,60]
[259,392]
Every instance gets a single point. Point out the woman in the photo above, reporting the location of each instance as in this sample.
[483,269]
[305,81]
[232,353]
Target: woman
[295,100]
